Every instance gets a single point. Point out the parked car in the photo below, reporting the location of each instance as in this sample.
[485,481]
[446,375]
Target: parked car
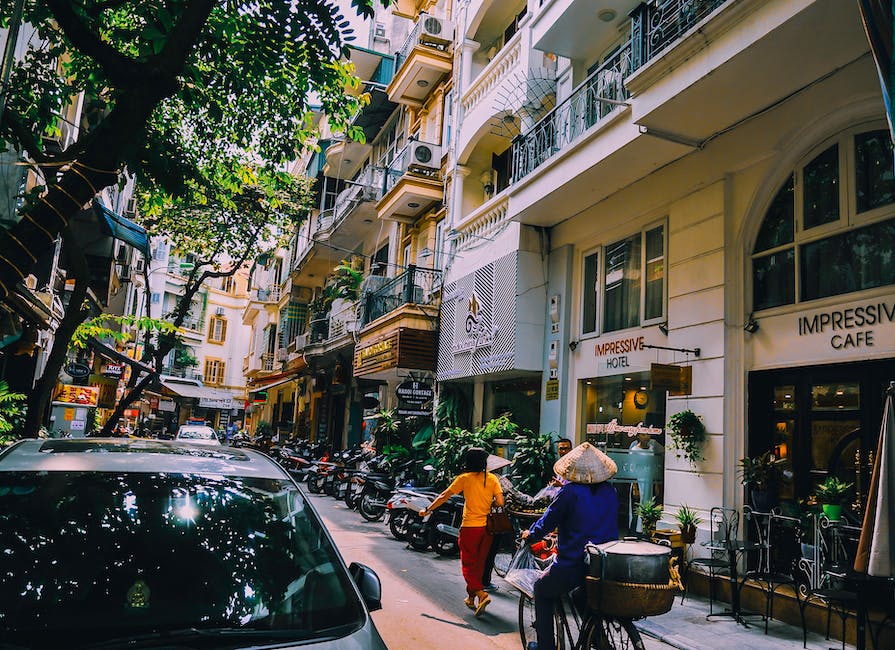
[197,434]
[134,543]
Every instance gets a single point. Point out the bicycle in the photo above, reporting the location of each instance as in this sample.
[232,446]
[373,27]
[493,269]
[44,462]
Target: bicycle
[576,631]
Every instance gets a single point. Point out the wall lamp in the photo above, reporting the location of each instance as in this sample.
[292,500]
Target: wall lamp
[573,345]
[663,327]
[751,325]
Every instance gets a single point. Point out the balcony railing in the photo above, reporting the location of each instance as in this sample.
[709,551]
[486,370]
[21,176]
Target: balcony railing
[415,286]
[267,361]
[184,373]
[418,37]
[335,325]
[194,324]
[589,103]
[368,187]
[270,294]
[401,164]
[656,25]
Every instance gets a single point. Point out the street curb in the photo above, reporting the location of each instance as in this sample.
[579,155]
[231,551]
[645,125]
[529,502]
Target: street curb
[671,639]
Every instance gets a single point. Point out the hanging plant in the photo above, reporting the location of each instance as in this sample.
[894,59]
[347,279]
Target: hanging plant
[688,435]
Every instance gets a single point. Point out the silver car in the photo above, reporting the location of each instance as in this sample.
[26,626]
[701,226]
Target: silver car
[113,543]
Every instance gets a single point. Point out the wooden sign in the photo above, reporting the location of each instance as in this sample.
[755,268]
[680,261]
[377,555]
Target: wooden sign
[677,380]
[551,390]
[403,347]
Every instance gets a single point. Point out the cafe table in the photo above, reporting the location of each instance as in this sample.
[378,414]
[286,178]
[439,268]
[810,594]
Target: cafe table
[734,548]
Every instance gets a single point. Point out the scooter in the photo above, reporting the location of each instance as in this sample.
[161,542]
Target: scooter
[403,506]
[439,529]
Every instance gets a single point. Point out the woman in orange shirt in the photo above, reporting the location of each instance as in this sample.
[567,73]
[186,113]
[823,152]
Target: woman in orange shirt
[480,488]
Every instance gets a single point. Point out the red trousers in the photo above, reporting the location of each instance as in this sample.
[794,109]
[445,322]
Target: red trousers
[475,543]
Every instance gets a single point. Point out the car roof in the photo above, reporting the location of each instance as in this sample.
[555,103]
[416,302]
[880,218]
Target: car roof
[135,455]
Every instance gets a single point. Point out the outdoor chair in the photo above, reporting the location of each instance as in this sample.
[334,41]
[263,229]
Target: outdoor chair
[724,525]
[837,590]
[779,540]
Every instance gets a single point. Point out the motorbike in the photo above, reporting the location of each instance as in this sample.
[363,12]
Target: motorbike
[439,530]
[403,506]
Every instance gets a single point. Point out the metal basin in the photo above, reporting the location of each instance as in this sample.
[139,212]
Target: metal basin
[629,561]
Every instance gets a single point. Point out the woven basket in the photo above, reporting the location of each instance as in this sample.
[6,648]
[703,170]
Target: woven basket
[628,599]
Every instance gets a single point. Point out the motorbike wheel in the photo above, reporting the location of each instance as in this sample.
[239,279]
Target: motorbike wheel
[369,511]
[397,525]
[444,545]
[417,538]
[349,499]
[314,484]
[329,487]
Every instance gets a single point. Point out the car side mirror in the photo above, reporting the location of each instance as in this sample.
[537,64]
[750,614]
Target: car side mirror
[368,584]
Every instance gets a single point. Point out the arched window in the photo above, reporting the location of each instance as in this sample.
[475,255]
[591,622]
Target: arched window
[830,229]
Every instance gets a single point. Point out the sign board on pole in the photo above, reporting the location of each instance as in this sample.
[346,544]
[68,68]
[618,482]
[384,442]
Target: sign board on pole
[416,393]
[677,380]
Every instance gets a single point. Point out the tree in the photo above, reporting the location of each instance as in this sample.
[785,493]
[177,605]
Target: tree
[222,237]
[185,94]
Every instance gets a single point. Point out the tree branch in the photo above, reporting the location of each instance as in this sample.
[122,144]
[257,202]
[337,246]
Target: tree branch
[25,137]
[122,70]
[183,37]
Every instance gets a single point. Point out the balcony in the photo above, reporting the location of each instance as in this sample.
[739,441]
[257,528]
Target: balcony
[595,99]
[576,28]
[334,330]
[702,66]
[355,209]
[422,61]
[482,223]
[412,183]
[194,325]
[180,372]
[414,287]
[269,295]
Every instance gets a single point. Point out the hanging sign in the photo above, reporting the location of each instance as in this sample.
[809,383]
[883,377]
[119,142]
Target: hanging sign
[86,395]
[416,393]
[113,370]
[77,370]
[677,380]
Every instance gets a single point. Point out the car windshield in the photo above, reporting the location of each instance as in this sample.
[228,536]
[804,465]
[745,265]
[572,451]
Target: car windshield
[90,556]
[204,433]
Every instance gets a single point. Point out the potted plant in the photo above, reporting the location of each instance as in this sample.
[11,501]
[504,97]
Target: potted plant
[830,495]
[688,435]
[649,512]
[687,521]
[761,475]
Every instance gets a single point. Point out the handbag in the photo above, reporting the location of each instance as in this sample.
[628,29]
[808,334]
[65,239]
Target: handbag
[498,521]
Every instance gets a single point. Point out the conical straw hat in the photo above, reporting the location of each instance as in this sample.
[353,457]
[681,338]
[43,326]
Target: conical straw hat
[585,464]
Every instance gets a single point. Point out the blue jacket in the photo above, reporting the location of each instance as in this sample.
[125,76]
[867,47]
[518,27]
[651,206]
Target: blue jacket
[582,513]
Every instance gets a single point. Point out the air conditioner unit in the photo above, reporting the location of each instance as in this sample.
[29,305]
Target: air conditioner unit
[281,354]
[436,30]
[424,156]
[218,311]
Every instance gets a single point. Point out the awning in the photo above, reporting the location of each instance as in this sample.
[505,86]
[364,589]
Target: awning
[115,355]
[374,115]
[122,228]
[208,397]
[272,384]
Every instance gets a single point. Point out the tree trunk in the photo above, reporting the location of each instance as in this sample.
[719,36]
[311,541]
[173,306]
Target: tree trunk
[74,316]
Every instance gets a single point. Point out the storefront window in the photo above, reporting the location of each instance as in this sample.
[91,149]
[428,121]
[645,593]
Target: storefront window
[856,256]
[589,307]
[821,178]
[624,417]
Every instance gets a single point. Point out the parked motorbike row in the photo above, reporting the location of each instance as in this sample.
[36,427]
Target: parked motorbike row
[379,489]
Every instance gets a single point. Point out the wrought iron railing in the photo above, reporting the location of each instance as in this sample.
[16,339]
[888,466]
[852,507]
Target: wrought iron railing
[267,361]
[415,286]
[656,25]
[590,102]
[184,373]
[418,37]
[368,186]
[193,324]
[396,169]
[269,294]
[318,330]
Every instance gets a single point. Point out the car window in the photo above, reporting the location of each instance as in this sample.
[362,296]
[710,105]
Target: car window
[197,434]
[93,556]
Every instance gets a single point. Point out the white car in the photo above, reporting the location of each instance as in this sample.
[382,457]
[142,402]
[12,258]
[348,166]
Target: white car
[197,434]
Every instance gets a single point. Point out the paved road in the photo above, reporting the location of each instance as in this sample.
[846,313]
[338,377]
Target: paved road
[422,593]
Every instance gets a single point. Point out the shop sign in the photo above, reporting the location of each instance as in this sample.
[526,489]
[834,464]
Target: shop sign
[215,402]
[415,393]
[77,425]
[166,405]
[86,395]
[614,427]
[677,380]
[379,355]
[849,327]
[477,334]
[551,392]
[113,370]
[411,413]
[77,370]
[619,355]
[153,402]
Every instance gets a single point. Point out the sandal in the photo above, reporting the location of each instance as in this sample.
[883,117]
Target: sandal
[483,603]
[470,602]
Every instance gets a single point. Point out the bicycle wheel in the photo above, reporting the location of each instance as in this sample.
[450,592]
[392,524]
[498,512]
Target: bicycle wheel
[611,634]
[527,624]
[503,557]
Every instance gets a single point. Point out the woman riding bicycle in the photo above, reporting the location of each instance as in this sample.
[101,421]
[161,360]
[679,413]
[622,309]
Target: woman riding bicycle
[585,511]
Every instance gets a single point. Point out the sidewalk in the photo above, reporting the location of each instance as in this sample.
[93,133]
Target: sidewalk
[686,627]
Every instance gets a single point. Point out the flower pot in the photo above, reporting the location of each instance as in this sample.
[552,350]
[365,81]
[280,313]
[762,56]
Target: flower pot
[764,500]
[833,511]
[688,534]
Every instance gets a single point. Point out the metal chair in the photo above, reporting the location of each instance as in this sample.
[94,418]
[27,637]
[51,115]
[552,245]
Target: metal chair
[779,552]
[724,525]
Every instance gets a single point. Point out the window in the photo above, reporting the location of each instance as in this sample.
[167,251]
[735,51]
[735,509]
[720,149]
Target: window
[633,283]
[160,251]
[821,237]
[156,298]
[406,255]
[440,243]
[227,284]
[217,329]
[214,372]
